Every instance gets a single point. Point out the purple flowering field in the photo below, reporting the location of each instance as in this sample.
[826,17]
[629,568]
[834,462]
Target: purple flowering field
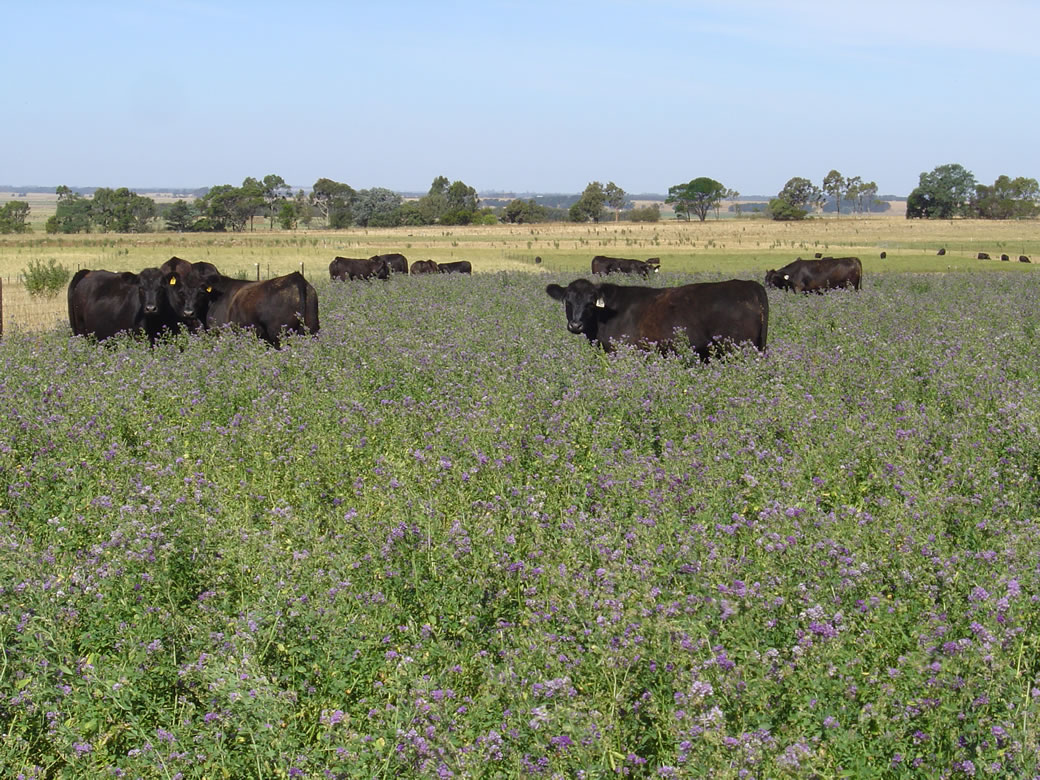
[447,538]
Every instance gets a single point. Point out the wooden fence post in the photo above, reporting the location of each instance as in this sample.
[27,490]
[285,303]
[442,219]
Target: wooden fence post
[1,307]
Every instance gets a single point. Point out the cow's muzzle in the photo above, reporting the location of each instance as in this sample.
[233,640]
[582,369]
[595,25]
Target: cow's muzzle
[575,327]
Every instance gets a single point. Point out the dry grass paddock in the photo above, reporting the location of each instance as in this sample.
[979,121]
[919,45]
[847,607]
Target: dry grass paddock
[737,246]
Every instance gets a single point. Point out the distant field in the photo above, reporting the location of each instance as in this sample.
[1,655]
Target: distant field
[746,247]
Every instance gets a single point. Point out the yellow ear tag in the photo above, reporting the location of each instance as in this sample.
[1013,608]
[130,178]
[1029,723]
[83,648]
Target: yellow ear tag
[173,281]
[209,289]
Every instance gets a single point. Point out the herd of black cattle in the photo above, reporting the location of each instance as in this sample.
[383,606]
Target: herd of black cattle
[179,295]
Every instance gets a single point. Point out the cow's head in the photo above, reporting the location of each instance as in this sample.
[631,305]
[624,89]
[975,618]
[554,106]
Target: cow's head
[150,291]
[778,279]
[188,295]
[584,305]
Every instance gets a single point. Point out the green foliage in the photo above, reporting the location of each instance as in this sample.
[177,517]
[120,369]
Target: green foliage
[944,193]
[180,216]
[72,214]
[589,207]
[333,201]
[782,210]
[1007,199]
[651,213]
[13,216]
[47,280]
[799,192]
[519,212]
[696,197]
[121,211]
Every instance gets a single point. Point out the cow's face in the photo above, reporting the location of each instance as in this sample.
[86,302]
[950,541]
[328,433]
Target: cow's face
[778,279]
[187,295]
[150,290]
[583,303]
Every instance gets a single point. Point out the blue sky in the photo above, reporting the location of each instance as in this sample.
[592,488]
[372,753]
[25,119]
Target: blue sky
[532,96]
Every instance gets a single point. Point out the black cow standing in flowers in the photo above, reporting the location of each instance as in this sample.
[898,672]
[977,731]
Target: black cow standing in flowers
[103,303]
[709,314]
[287,302]
[604,265]
[344,268]
[827,273]
[396,263]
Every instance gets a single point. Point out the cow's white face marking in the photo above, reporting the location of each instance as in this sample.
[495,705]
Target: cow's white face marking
[600,303]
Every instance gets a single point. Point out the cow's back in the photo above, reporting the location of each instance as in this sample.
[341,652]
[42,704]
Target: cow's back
[103,303]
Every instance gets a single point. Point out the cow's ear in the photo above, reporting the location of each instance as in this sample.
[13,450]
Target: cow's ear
[600,303]
[556,292]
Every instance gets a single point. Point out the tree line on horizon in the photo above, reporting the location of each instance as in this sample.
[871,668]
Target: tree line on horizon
[946,192]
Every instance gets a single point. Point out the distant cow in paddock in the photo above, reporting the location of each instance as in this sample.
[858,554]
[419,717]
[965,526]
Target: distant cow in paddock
[268,307]
[396,263]
[942,251]
[827,273]
[344,268]
[982,256]
[1005,258]
[460,267]
[603,265]
[1024,259]
[425,267]
[708,314]
[104,303]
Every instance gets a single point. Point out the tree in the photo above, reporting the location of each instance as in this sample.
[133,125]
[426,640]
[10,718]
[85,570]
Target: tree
[784,211]
[13,216]
[377,207]
[252,197]
[121,211]
[734,197]
[520,212]
[799,192]
[287,216]
[72,214]
[615,198]
[334,201]
[225,207]
[275,190]
[698,197]
[589,207]
[834,185]
[944,193]
[180,216]
[1007,198]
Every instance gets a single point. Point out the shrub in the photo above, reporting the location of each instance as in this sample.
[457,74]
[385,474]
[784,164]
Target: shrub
[49,279]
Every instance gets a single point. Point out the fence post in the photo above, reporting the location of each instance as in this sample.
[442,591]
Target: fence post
[1,307]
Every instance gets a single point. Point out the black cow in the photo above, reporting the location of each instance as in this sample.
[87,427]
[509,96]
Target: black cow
[621,265]
[425,267]
[395,262]
[708,314]
[104,303]
[285,302]
[344,268]
[185,289]
[817,275]
[460,267]
[1023,259]
[983,256]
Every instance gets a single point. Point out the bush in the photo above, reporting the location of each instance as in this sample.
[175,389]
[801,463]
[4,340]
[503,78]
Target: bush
[49,279]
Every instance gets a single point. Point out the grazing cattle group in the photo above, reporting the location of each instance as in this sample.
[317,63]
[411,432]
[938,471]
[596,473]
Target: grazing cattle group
[180,294]
[827,273]
[709,316]
[622,265]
